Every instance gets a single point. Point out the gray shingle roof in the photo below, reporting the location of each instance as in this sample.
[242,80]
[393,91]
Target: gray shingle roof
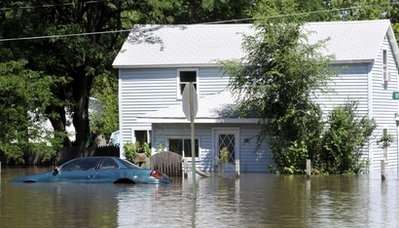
[219,107]
[206,44]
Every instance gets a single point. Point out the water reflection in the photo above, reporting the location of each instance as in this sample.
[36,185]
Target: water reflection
[253,200]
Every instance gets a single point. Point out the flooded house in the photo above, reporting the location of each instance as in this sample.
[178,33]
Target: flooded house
[156,62]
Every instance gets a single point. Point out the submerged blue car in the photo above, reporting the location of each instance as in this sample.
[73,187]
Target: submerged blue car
[98,170]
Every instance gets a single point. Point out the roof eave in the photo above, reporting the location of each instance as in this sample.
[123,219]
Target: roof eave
[394,45]
[120,66]
[346,61]
[117,66]
[198,120]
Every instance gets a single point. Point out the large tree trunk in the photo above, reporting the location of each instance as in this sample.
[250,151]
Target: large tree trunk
[82,85]
[59,124]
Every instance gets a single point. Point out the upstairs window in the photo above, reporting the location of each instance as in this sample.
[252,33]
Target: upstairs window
[185,76]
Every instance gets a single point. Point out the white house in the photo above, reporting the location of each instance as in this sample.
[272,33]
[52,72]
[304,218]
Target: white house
[156,62]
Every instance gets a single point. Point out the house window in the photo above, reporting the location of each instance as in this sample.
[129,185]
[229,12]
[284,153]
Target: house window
[385,72]
[142,136]
[183,78]
[182,146]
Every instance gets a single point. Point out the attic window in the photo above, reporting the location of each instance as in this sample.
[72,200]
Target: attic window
[184,77]
[385,72]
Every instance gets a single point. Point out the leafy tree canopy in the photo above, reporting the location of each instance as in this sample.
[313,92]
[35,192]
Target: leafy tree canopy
[40,33]
[24,96]
[276,81]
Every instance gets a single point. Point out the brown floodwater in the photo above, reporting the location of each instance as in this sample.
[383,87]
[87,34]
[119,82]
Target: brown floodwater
[253,200]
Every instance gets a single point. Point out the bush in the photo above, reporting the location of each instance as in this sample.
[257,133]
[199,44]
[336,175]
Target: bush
[344,139]
[131,150]
[223,158]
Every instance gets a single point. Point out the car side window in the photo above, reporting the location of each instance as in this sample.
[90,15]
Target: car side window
[108,164]
[80,165]
[74,165]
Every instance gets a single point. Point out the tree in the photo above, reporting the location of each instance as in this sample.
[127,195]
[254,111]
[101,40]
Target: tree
[326,10]
[276,81]
[107,120]
[78,60]
[24,96]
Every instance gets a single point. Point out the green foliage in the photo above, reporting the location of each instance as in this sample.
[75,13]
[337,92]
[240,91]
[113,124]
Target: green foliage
[146,149]
[223,158]
[344,139]
[291,159]
[385,141]
[79,60]
[275,82]
[106,121]
[24,96]
[160,148]
[326,10]
[131,150]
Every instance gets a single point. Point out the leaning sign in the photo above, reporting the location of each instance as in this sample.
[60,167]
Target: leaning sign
[190,108]
[190,101]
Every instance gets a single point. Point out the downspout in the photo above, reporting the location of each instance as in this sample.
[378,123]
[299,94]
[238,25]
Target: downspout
[397,141]
[397,125]
[121,153]
[370,109]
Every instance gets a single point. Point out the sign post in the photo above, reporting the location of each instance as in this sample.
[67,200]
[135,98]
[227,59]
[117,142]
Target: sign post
[190,108]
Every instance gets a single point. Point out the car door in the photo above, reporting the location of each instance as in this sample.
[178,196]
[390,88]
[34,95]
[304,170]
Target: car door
[108,171]
[80,170]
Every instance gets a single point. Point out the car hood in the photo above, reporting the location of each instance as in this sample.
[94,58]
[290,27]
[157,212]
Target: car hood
[42,177]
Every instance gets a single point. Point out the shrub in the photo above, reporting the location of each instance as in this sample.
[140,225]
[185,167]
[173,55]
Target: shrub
[131,150]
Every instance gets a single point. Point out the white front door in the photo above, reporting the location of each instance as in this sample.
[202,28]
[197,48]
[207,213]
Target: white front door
[229,138]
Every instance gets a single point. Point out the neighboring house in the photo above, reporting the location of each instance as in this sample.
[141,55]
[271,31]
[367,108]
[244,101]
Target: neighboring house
[94,107]
[157,61]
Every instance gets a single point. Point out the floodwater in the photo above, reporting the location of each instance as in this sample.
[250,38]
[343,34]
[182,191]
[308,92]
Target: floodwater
[253,200]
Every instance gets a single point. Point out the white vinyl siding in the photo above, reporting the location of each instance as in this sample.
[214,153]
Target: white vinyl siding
[351,84]
[146,90]
[142,91]
[384,107]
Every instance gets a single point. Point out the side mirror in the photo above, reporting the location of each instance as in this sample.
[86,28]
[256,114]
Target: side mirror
[55,171]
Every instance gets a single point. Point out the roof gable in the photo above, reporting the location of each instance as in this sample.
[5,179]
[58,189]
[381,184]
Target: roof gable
[351,41]
[206,44]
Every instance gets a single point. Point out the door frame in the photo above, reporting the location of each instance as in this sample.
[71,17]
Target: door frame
[215,136]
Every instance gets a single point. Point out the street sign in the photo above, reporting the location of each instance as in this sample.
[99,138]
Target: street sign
[190,108]
[190,101]
[395,95]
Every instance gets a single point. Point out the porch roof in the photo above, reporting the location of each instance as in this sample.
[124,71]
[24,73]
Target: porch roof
[217,108]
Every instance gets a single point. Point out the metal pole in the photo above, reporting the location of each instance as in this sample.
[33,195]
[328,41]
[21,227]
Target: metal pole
[383,174]
[192,139]
[308,168]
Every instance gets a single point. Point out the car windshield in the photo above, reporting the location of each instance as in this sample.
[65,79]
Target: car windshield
[128,164]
